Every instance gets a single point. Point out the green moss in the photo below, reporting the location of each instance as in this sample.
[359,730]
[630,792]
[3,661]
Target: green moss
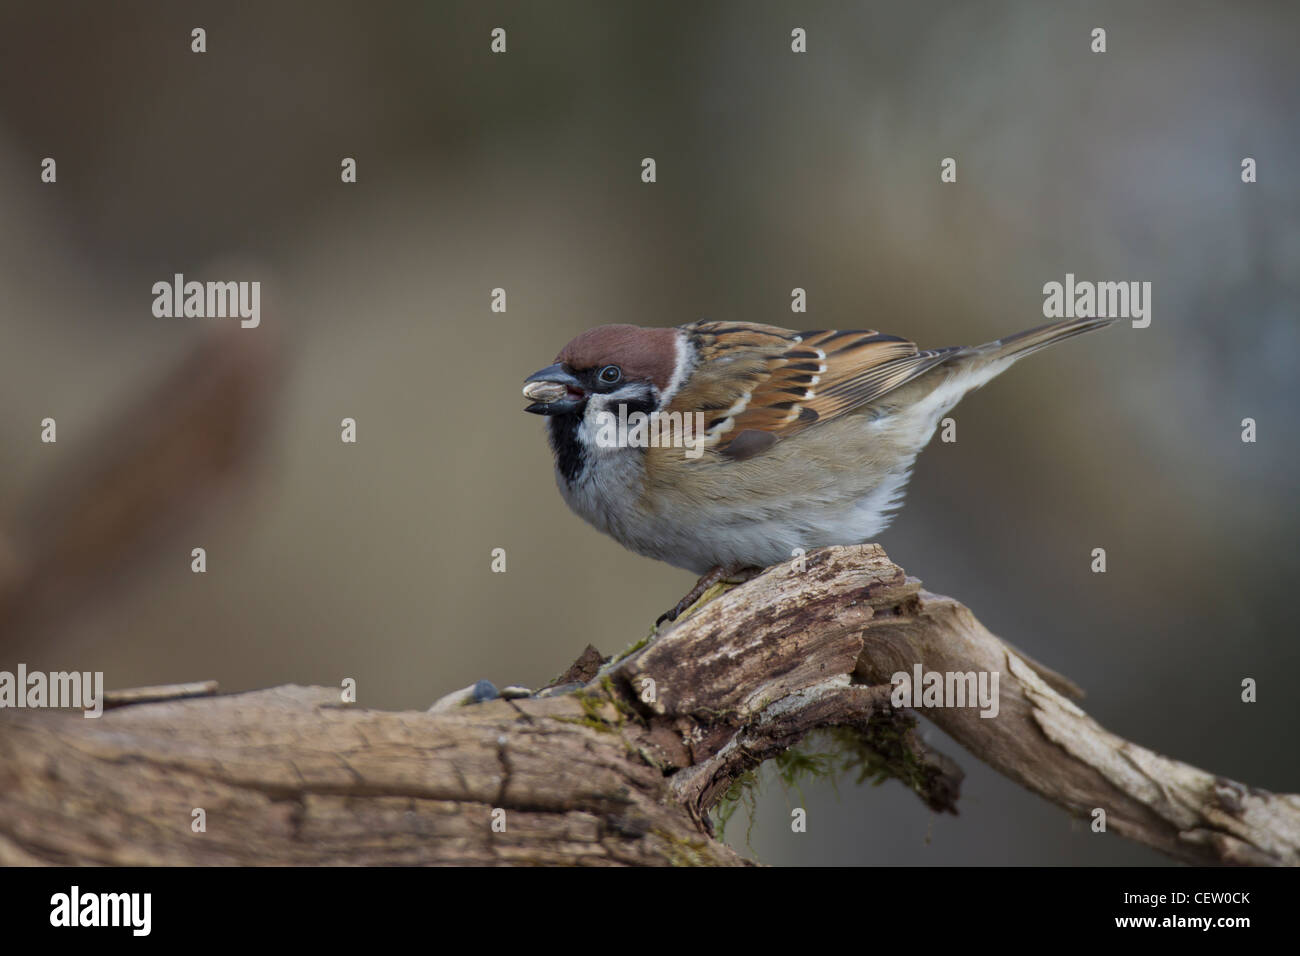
[883,754]
[742,792]
[874,756]
[634,648]
[589,722]
[625,710]
[595,705]
[685,852]
[593,712]
[719,589]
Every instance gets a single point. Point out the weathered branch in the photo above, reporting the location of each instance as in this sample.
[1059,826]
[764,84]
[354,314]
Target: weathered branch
[622,770]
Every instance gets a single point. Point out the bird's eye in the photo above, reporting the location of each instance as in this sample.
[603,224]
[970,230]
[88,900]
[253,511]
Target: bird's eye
[610,375]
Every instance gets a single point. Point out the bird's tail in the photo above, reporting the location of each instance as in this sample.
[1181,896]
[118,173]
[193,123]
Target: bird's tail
[958,370]
[1031,340]
[969,368]
[961,370]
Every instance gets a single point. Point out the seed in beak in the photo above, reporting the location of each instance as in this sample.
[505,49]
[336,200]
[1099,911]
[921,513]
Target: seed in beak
[545,392]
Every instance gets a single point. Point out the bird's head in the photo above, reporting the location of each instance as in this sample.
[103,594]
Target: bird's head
[604,368]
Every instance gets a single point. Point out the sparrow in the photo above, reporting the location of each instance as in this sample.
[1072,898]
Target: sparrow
[808,437]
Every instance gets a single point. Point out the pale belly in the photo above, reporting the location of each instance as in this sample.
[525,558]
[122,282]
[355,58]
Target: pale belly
[743,514]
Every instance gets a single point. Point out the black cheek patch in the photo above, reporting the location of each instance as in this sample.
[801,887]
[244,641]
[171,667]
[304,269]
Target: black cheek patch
[643,405]
[570,456]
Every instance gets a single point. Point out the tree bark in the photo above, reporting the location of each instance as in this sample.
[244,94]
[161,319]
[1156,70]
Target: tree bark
[621,769]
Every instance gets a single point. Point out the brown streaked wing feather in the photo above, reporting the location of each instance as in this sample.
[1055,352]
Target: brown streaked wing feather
[760,378]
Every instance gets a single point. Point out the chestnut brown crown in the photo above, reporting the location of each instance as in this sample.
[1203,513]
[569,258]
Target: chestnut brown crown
[645,355]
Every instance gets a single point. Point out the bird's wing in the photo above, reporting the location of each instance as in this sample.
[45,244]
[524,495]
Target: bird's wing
[759,383]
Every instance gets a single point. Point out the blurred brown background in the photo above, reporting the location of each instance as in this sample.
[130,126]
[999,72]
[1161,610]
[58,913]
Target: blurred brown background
[775,170]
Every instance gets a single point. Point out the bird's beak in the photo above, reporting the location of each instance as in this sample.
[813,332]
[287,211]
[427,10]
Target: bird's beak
[553,391]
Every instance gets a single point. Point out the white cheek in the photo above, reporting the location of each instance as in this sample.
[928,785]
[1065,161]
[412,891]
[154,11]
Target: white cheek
[598,407]
[603,411]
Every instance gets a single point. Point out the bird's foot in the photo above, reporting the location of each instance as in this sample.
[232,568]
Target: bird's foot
[722,577]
